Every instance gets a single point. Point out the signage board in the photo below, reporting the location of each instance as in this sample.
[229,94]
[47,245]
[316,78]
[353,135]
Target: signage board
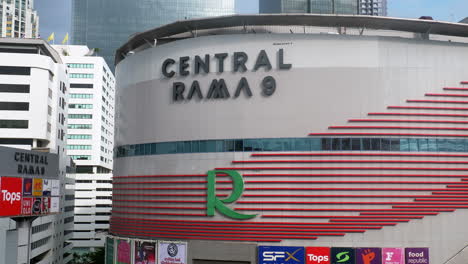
[27,186]
[54,204]
[318,255]
[280,255]
[123,252]
[172,252]
[11,189]
[417,255]
[55,188]
[26,206]
[37,187]
[46,187]
[25,163]
[343,256]
[145,252]
[392,256]
[368,256]
[109,251]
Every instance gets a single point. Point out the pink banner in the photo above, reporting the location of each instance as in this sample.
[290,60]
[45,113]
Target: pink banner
[392,256]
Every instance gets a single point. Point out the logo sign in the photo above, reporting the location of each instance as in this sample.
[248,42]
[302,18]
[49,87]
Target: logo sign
[46,187]
[172,253]
[318,255]
[343,256]
[280,255]
[214,203]
[368,256]
[417,255]
[45,205]
[392,256]
[37,204]
[55,188]
[26,206]
[27,187]
[55,204]
[10,196]
[37,187]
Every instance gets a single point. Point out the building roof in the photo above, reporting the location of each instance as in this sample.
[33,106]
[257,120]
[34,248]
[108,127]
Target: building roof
[29,46]
[357,21]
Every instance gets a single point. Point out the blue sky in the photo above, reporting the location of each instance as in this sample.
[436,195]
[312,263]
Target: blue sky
[55,15]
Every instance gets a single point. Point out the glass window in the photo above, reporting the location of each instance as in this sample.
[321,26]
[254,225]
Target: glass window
[11,70]
[356,144]
[14,124]
[14,106]
[81,85]
[375,144]
[385,144]
[345,144]
[14,88]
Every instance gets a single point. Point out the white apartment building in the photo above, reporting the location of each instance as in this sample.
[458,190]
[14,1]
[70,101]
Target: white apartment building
[373,7]
[18,19]
[90,142]
[33,115]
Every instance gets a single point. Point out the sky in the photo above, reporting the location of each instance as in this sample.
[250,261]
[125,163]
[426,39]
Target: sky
[55,15]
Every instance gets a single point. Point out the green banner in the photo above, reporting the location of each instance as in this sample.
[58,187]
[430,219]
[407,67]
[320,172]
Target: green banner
[109,250]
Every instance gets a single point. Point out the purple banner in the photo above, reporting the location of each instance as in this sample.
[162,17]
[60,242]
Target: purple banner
[368,256]
[417,255]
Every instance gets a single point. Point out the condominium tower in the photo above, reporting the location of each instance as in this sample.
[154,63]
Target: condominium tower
[107,24]
[18,19]
[309,6]
[90,142]
[373,7]
[33,116]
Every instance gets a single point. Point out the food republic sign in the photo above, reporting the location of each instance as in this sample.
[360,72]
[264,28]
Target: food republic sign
[219,89]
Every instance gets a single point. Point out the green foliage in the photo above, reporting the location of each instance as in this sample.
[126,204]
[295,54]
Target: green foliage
[94,257]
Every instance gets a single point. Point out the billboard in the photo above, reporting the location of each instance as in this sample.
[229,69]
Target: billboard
[392,256]
[46,187]
[343,256]
[172,253]
[318,255]
[37,187]
[11,189]
[280,255]
[145,252]
[27,186]
[417,255]
[124,252]
[26,206]
[55,187]
[368,256]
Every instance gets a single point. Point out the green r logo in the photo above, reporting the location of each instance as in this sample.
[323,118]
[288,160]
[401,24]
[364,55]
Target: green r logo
[213,203]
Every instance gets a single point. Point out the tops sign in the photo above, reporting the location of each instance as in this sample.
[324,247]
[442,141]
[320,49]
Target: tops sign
[218,88]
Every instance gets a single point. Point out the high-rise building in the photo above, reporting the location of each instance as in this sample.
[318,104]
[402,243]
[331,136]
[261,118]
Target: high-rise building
[18,19]
[309,6]
[373,7]
[90,142]
[107,24]
[33,116]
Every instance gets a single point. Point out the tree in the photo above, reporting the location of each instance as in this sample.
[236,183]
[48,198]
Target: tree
[94,257]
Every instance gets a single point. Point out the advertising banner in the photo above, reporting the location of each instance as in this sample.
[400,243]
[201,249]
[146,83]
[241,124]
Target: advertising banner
[172,253]
[54,204]
[10,196]
[46,187]
[343,256]
[45,205]
[37,187]
[392,256]
[417,255]
[280,255]
[55,188]
[318,255]
[145,252]
[26,206]
[27,187]
[369,256]
[109,251]
[37,204]
[124,252]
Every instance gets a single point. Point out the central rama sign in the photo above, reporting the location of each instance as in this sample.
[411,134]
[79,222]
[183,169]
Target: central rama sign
[213,203]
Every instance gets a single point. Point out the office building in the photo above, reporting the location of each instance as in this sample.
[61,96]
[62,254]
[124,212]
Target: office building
[106,24]
[33,116]
[90,142]
[250,135]
[349,7]
[373,7]
[18,19]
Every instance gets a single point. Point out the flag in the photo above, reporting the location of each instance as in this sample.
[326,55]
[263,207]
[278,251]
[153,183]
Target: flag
[65,39]
[51,37]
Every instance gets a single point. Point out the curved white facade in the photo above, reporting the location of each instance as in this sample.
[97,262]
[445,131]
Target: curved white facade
[337,88]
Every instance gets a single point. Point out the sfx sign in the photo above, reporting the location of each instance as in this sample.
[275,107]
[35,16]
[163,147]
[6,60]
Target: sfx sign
[280,255]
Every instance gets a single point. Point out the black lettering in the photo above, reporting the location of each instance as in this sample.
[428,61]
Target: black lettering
[46,162]
[218,90]
[243,85]
[268,86]
[22,157]
[20,168]
[240,58]
[42,171]
[37,171]
[205,65]
[31,169]
[221,57]
[183,65]
[178,89]
[17,156]
[262,61]
[195,89]
[25,170]
[165,65]
[36,159]
[27,158]
[41,159]
[281,64]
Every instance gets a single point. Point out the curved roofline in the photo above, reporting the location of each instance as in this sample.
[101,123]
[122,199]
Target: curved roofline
[372,22]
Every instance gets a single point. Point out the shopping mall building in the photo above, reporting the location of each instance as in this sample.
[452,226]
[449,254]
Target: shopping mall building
[293,130]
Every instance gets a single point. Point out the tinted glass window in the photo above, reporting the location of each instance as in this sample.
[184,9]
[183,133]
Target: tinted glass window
[10,70]
[14,106]
[14,88]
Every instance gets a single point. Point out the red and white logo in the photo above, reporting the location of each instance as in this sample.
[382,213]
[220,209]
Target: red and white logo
[318,255]
[10,196]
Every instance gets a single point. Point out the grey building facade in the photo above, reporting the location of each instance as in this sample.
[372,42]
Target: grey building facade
[107,24]
[309,6]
